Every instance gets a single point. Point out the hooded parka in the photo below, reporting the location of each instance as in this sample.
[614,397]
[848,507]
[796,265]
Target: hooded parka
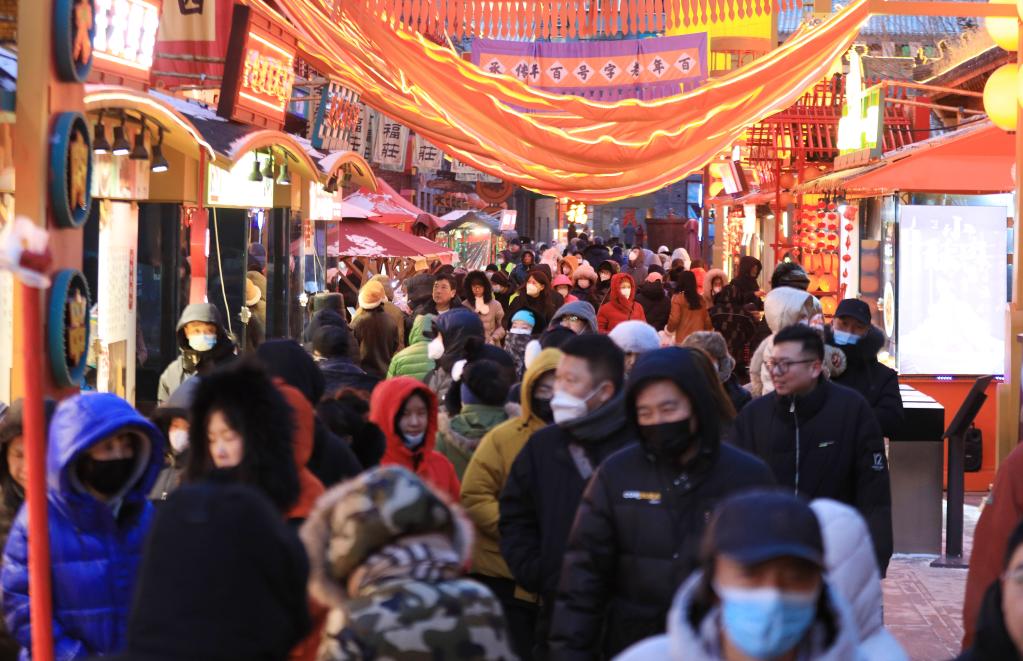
[95,546]
[655,302]
[191,361]
[619,308]
[386,403]
[879,384]
[490,311]
[413,360]
[637,534]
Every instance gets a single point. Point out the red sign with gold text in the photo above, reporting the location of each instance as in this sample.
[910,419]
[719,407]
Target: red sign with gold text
[259,71]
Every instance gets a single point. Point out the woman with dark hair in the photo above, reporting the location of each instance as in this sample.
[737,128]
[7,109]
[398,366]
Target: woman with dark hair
[479,297]
[688,309]
[538,297]
[241,432]
[999,628]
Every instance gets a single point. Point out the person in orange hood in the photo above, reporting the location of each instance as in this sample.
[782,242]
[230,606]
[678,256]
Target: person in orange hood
[406,411]
[621,304]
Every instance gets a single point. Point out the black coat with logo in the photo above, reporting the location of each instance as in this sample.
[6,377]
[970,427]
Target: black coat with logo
[635,541]
[840,449]
[879,384]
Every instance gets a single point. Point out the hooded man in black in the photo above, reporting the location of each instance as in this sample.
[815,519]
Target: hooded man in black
[204,344]
[819,438]
[448,336]
[745,285]
[636,535]
[547,478]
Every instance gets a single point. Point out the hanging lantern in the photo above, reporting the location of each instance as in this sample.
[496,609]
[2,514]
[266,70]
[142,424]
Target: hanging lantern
[786,180]
[787,198]
[1004,31]
[1000,97]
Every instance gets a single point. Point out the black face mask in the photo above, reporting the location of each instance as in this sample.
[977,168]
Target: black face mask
[107,477]
[667,441]
[542,410]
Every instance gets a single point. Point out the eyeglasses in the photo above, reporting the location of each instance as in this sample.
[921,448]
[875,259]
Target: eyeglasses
[781,367]
[570,318]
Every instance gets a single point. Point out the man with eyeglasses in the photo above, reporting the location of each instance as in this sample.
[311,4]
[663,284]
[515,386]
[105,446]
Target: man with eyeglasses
[821,439]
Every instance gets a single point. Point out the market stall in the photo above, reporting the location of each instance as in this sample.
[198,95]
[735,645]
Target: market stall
[391,208]
[474,237]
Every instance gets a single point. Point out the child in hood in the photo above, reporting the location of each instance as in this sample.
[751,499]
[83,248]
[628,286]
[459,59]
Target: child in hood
[563,285]
[584,281]
[405,410]
[621,304]
[519,334]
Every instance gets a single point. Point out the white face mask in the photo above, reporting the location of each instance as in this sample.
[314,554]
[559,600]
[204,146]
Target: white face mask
[435,349]
[413,442]
[626,292]
[178,440]
[202,342]
[604,276]
[569,407]
[521,331]
[532,290]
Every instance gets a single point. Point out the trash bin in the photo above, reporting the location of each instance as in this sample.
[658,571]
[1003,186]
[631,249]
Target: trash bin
[916,460]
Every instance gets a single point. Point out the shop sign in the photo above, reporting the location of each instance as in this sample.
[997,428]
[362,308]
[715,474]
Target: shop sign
[390,144]
[426,156]
[71,170]
[337,114]
[508,218]
[67,327]
[259,71]
[119,178]
[861,128]
[73,30]
[232,188]
[125,39]
[357,138]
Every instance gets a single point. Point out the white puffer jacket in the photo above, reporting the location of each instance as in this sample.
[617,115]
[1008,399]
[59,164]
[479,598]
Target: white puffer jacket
[852,571]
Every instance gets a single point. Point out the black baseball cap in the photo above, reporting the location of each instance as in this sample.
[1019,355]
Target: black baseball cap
[757,526]
[855,308]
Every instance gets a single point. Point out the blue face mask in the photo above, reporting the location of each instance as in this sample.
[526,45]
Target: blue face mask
[765,623]
[843,338]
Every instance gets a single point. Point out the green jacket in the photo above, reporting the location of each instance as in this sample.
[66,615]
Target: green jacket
[413,360]
[458,437]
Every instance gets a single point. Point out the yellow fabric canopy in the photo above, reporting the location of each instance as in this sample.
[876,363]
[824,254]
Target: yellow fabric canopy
[556,144]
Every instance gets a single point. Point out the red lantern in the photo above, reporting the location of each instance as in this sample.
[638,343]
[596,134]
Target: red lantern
[786,180]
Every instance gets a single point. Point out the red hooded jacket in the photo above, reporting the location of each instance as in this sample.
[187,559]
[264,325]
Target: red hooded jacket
[618,308]
[385,404]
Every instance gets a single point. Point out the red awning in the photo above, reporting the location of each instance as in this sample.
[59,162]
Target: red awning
[365,238]
[392,209]
[976,159]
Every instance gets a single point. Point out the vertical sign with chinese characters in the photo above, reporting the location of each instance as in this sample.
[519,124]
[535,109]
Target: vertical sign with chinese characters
[338,112]
[427,156]
[124,42]
[390,144]
[357,138]
[259,71]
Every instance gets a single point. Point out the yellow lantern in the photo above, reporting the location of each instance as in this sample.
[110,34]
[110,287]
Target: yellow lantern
[1005,31]
[1000,97]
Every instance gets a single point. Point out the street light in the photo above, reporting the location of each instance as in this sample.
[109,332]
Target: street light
[121,145]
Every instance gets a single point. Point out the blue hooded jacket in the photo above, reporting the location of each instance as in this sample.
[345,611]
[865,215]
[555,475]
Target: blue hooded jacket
[94,553]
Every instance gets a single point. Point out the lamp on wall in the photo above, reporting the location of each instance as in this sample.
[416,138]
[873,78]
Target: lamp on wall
[158,163]
[139,151]
[121,145]
[99,140]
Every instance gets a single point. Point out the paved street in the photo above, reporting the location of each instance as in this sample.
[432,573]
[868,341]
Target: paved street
[923,605]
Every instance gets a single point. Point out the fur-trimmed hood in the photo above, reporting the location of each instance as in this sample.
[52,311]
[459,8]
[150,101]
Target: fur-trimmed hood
[356,519]
[245,393]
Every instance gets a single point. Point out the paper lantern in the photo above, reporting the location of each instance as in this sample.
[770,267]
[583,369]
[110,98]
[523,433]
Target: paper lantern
[786,180]
[785,199]
[1004,31]
[1000,97]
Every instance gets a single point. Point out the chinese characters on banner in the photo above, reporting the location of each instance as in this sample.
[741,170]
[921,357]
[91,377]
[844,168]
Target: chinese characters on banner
[337,113]
[426,156]
[602,70]
[358,138]
[464,172]
[390,143]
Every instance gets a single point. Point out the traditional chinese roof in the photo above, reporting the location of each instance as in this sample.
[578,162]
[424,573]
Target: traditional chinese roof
[884,27]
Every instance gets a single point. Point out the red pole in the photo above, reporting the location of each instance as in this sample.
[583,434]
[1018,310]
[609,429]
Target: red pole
[40,594]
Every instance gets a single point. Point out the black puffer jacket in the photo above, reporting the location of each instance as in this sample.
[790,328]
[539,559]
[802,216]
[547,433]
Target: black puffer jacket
[879,384]
[637,534]
[543,490]
[841,452]
[656,304]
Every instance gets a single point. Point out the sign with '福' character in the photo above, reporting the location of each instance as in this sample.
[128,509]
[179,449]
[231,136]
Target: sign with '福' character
[337,113]
[259,72]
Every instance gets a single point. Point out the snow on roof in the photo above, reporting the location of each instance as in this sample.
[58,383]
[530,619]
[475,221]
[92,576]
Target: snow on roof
[187,107]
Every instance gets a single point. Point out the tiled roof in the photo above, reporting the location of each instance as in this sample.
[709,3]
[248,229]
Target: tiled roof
[883,26]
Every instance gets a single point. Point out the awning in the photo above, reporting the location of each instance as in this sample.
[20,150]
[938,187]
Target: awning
[365,238]
[975,159]
[392,208]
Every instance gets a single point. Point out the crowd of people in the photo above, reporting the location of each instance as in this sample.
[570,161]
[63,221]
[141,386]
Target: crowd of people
[587,451]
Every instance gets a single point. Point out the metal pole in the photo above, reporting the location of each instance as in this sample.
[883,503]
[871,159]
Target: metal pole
[954,508]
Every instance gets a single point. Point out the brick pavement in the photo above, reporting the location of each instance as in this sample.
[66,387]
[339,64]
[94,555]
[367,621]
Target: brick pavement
[923,605]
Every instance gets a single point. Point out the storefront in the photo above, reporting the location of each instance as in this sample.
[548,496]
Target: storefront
[475,238]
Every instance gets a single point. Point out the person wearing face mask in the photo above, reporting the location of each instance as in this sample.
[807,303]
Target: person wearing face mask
[713,284]
[448,337]
[645,509]
[538,297]
[635,338]
[547,478]
[762,591]
[860,341]
[621,304]
[521,271]
[479,297]
[820,439]
[563,285]
[503,290]
[102,460]
[204,344]
[584,282]
[172,420]
[485,477]
[606,270]
[406,411]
